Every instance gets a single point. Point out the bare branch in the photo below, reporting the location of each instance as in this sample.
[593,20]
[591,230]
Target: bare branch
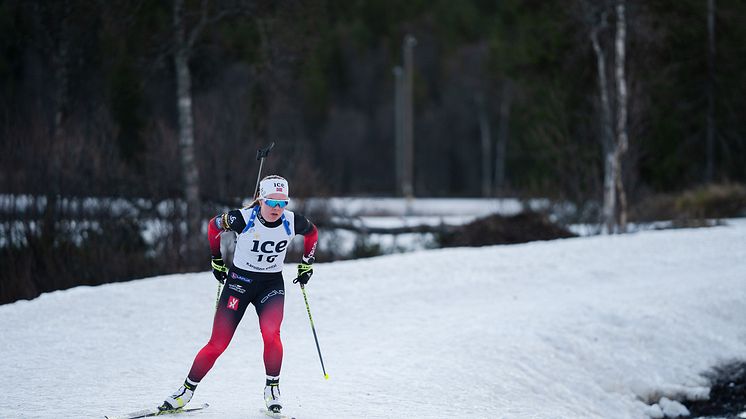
[197,30]
[206,20]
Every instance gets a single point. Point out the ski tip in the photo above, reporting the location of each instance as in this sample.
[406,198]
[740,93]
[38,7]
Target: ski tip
[326,376]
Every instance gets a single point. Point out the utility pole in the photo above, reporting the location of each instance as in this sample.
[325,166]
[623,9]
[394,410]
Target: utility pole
[399,128]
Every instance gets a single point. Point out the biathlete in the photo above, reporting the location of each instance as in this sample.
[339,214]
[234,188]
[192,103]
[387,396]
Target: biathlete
[264,230]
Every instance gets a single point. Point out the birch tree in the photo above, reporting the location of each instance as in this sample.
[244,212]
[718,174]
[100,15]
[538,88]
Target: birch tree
[607,135]
[621,116]
[182,50]
[614,138]
[184,41]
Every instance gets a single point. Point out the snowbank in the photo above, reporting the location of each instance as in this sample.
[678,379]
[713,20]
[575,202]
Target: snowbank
[595,327]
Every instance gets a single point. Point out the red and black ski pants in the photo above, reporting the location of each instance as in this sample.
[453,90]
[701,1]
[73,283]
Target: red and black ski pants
[267,293]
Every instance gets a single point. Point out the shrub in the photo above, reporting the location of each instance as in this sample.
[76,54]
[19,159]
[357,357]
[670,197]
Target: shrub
[498,229]
[708,201]
[712,201]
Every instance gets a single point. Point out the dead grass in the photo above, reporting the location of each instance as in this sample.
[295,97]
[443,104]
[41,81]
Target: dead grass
[711,201]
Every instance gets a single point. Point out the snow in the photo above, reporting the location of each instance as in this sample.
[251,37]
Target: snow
[593,327]
[357,206]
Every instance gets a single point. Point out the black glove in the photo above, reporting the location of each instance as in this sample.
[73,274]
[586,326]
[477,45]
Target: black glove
[219,269]
[305,270]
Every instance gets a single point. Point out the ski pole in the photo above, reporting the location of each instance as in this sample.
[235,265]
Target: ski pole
[313,329]
[261,154]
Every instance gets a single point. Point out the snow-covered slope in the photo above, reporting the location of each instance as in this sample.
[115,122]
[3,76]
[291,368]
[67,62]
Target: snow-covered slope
[588,327]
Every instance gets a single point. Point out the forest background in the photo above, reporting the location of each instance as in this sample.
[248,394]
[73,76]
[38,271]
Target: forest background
[505,102]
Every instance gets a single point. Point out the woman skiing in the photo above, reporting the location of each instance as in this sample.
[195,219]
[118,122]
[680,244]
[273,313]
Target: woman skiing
[264,231]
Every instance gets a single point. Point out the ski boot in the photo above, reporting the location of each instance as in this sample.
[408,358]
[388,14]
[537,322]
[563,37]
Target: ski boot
[272,394]
[179,399]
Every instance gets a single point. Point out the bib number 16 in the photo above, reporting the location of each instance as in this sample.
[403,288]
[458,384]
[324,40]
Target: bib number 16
[267,248]
[270,258]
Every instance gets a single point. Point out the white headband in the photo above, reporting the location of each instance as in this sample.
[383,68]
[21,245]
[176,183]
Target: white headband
[273,185]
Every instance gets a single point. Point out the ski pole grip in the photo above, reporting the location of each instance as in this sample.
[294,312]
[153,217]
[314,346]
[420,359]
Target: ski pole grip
[264,152]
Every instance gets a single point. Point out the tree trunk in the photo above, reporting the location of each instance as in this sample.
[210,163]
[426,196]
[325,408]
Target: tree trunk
[607,135]
[621,117]
[56,43]
[710,140]
[61,73]
[609,206]
[186,137]
[486,140]
[502,135]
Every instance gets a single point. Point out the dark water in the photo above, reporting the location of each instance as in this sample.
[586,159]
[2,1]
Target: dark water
[727,395]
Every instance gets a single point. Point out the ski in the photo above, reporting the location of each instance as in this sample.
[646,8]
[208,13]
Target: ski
[155,412]
[275,415]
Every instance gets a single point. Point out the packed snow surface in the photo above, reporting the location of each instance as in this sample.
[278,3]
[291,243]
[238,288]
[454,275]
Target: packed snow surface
[593,327]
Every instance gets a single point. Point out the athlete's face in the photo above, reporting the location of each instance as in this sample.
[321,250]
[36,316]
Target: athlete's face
[273,213]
